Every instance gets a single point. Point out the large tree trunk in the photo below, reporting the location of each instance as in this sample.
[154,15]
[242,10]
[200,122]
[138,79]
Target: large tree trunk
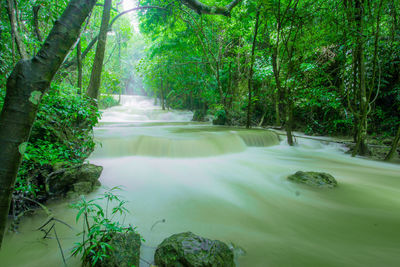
[361,134]
[95,77]
[250,80]
[25,87]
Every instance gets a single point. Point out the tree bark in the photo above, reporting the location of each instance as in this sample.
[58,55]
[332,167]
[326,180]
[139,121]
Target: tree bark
[26,85]
[289,117]
[361,134]
[95,77]
[79,65]
[250,80]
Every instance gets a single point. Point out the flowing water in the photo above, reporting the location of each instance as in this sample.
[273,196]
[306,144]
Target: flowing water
[230,184]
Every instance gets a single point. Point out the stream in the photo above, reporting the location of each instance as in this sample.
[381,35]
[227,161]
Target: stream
[230,184]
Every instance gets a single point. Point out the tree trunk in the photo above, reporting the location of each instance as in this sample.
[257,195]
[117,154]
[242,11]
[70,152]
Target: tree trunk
[35,10]
[289,117]
[361,135]
[119,52]
[79,65]
[95,77]
[395,144]
[162,94]
[279,90]
[26,85]
[250,80]
[277,117]
[89,47]
[14,28]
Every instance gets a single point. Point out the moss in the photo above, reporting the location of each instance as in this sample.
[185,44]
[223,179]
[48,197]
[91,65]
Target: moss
[315,179]
[188,249]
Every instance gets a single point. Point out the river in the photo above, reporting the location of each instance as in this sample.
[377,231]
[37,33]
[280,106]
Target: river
[230,184]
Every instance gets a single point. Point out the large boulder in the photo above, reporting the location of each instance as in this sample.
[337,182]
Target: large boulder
[73,180]
[125,251]
[190,250]
[315,179]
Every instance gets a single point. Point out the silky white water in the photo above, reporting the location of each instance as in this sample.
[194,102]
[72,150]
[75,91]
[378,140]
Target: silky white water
[230,184]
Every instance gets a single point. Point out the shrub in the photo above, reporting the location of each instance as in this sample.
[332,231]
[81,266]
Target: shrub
[99,226]
[107,101]
[62,132]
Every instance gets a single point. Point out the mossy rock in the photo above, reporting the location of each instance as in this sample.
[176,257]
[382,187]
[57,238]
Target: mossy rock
[80,179]
[125,252]
[189,250]
[315,179]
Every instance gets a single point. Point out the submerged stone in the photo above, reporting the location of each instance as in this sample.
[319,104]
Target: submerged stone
[189,250]
[316,179]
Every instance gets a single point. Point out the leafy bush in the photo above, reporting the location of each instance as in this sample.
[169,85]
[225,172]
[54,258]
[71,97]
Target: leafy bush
[62,132]
[107,101]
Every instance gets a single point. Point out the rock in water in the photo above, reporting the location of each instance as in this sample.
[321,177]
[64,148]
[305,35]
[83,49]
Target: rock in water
[125,252]
[73,181]
[190,250]
[316,179]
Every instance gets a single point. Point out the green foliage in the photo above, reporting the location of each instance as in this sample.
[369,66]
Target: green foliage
[62,132]
[107,101]
[63,129]
[314,49]
[99,225]
[111,82]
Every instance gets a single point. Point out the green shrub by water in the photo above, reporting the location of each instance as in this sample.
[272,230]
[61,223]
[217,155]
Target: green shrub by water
[62,132]
[107,101]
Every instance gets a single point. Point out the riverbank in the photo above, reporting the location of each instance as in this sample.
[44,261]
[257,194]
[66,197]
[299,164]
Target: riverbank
[379,147]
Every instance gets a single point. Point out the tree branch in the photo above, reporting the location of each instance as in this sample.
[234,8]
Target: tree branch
[201,8]
[35,10]
[70,63]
